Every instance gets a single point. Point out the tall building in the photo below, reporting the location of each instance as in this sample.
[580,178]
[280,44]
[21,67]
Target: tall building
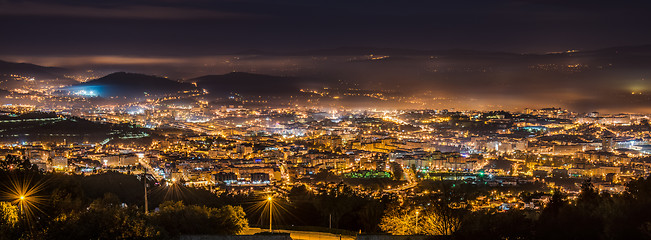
[607,143]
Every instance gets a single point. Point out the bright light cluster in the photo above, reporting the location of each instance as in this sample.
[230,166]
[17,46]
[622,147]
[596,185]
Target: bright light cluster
[89,93]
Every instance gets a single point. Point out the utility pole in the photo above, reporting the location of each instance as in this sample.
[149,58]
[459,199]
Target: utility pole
[21,202]
[270,216]
[144,179]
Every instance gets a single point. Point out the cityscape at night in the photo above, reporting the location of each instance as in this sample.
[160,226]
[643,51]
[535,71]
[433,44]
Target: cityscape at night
[329,120]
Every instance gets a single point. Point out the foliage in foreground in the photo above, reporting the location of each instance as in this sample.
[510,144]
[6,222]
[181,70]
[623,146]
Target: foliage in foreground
[433,219]
[593,215]
[178,219]
[65,207]
[108,219]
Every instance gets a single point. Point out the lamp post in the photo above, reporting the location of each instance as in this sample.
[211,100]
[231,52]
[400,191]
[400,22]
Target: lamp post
[270,216]
[144,180]
[21,202]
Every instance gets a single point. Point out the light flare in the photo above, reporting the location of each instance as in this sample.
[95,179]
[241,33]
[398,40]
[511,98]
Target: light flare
[25,193]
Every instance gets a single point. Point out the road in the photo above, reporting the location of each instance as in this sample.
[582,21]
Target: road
[150,170]
[302,235]
[411,181]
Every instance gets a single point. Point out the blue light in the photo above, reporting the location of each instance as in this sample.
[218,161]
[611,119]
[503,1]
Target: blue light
[85,91]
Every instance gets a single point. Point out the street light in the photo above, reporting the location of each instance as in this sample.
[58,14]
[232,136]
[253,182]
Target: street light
[21,200]
[270,205]
[24,193]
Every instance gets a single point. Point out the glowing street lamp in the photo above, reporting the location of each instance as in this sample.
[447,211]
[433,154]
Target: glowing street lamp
[25,194]
[21,199]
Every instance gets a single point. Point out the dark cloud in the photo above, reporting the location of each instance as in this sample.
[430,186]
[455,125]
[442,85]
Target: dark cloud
[205,27]
[34,9]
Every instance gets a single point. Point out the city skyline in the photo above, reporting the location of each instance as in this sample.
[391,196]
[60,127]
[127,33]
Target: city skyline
[509,54]
[289,119]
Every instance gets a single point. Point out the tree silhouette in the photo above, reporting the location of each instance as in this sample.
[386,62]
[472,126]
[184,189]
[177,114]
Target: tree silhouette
[176,219]
[105,218]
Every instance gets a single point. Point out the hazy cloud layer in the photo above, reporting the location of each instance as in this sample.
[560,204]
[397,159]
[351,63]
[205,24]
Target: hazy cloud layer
[202,27]
[119,11]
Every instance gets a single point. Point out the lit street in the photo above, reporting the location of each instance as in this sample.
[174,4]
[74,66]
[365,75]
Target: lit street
[301,235]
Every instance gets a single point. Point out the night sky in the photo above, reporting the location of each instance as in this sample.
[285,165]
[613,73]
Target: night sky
[196,27]
[183,39]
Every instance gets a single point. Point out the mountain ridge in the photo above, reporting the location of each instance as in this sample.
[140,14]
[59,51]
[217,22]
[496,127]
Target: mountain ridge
[130,85]
[247,83]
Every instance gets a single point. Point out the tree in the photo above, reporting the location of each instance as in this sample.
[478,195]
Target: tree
[8,220]
[555,204]
[396,169]
[105,218]
[325,175]
[561,220]
[8,214]
[512,224]
[440,219]
[177,218]
[12,162]
[66,195]
[336,202]
[437,219]
[371,213]
[400,220]
[588,196]
[301,200]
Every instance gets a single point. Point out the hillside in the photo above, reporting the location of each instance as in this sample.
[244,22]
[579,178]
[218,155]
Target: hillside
[122,84]
[37,126]
[19,75]
[247,83]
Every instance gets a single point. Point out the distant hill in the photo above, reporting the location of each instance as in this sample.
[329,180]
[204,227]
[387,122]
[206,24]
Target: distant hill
[122,84]
[361,50]
[622,50]
[365,50]
[248,84]
[350,51]
[33,70]
[44,76]
[37,126]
